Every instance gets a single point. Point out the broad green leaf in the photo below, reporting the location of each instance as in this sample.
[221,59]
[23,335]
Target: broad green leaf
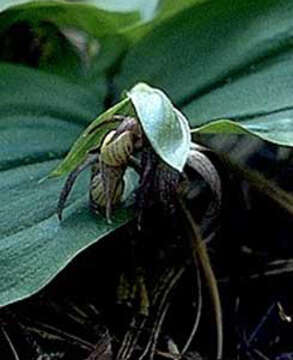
[45,47]
[166,9]
[94,54]
[83,16]
[220,61]
[170,8]
[40,116]
[273,129]
[197,51]
[146,9]
[263,90]
[166,129]
[34,245]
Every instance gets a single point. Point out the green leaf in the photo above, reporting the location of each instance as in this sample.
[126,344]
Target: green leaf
[165,127]
[145,9]
[83,16]
[34,245]
[218,61]
[166,9]
[90,139]
[275,130]
[170,8]
[40,116]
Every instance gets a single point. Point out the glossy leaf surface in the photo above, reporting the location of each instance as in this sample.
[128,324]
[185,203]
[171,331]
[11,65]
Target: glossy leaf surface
[40,116]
